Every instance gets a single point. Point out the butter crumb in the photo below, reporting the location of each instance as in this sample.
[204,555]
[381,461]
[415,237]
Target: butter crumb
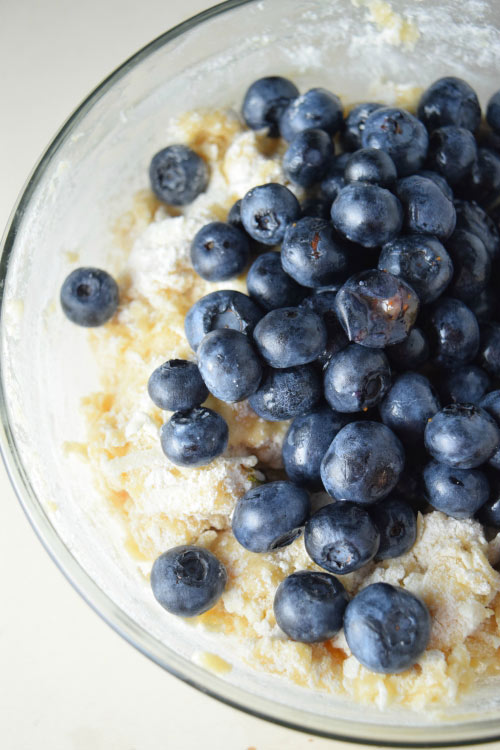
[212,662]
[396,30]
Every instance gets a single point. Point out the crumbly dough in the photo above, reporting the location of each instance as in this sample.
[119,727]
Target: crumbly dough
[163,505]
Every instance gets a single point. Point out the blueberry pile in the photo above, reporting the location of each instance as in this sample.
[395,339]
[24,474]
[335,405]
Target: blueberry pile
[371,322]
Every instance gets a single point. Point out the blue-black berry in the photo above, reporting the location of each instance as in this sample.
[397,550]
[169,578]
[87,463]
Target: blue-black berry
[457,492]
[367,214]
[306,160]
[89,297]
[178,175]
[219,251]
[177,385]
[449,101]
[341,537]
[363,463]
[290,336]
[194,437]
[267,211]
[400,134]
[229,365]
[357,378]
[265,101]
[314,255]
[317,108]
[421,261]
[188,580]
[287,393]
[309,606]
[376,309]
[270,516]
[462,436]
[269,284]
[306,442]
[396,522]
[222,309]
[387,628]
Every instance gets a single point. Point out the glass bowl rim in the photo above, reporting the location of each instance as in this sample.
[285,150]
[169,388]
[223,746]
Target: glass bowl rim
[69,566]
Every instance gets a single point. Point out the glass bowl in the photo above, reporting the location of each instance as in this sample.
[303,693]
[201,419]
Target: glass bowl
[86,179]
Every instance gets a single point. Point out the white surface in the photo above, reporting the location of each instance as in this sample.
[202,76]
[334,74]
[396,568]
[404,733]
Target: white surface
[68,682]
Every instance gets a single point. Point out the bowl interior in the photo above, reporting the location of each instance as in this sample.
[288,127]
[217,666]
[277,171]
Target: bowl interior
[67,217]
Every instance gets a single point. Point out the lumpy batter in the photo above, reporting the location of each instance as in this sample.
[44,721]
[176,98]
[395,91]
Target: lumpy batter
[163,505]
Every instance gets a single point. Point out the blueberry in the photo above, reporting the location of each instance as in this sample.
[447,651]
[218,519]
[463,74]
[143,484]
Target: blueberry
[333,180]
[318,208]
[387,628]
[367,214]
[219,251]
[284,394]
[371,165]
[269,285]
[188,580]
[363,463]
[421,261]
[313,255]
[489,513]
[177,385]
[400,134]
[485,304]
[376,309]
[426,208]
[438,180]
[449,101]
[462,436]
[307,157]
[408,406]
[222,309]
[317,108]
[356,378]
[410,486]
[234,215]
[465,385]
[194,437]
[267,211]
[290,336]
[489,351]
[453,332]
[229,365]
[493,112]
[178,175]
[89,297]
[306,442]
[452,152]
[397,524]
[483,184]
[491,404]
[270,516]
[488,138]
[322,302]
[309,606]
[265,101]
[474,219]
[457,492]
[341,537]
[471,263]
[411,353]
[355,124]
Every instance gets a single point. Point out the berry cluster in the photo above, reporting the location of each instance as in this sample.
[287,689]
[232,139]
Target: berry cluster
[372,328]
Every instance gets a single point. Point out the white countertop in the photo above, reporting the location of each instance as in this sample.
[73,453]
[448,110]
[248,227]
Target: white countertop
[68,682]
